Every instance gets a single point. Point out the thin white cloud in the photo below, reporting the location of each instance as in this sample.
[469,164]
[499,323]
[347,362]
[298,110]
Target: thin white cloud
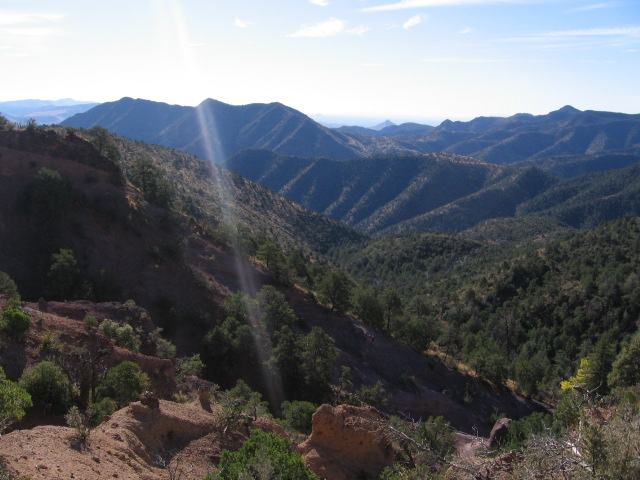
[320,3]
[24,33]
[31,31]
[619,31]
[464,31]
[329,28]
[15,55]
[413,21]
[407,4]
[359,30]
[241,23]
[594,6]
[582,38]
[467,60]
[27,18]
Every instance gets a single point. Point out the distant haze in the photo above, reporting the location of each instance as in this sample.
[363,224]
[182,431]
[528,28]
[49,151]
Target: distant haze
[335,121]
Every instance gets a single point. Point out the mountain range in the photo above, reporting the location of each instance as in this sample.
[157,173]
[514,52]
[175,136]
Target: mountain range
[407,177]
[216,131]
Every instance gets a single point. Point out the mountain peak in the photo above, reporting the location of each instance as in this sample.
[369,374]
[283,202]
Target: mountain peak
[564,112]
[380,126]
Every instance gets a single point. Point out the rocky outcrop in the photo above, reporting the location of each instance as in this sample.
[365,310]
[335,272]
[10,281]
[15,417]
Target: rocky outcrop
[347,443]
[139,442]
[498,432]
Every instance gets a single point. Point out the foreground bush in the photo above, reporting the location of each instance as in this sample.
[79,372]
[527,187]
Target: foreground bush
[123,383]
[48,386]
[263,456]
[14,400]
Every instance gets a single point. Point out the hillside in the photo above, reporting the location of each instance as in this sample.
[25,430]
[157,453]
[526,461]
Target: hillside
[436,192]
[439,192]
[212,194]
[588,200]
[383,193]
[120,244]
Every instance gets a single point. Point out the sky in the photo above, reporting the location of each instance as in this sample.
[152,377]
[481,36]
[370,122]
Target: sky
[405,60]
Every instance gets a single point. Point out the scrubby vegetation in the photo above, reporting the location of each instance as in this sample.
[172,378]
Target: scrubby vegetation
[14,400]
[263,456]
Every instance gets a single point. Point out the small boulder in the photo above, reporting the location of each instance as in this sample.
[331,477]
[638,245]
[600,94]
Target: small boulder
[149,400]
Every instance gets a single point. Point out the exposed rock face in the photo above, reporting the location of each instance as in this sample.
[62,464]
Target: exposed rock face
[498,432]
[346,443]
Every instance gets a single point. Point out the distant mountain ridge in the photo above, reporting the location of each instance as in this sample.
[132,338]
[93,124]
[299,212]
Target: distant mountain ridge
[566,131]
[216,131]
[43,111]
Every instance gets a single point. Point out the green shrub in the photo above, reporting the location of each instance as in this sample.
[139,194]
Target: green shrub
[164,348]
[78,421]
[373,395]
[66,281]
[101,409]
[626,367]
[14,400]
[297,415]
[14,322]
[8,286]
[263,456]
[241,406]
[50,345]
[123,383]
[48,386]
[122,335]
[188,368]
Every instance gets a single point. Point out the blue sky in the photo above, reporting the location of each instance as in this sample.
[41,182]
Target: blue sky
[397,59]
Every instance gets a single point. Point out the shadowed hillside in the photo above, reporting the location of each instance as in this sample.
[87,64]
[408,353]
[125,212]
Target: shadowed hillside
[437,192]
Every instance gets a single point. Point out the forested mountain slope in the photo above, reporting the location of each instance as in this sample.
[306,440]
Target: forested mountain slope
[527,312]
[396,193]
[588,200]
[439,192]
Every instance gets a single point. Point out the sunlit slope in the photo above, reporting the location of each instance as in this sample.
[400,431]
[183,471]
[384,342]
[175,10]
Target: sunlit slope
[212,193]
